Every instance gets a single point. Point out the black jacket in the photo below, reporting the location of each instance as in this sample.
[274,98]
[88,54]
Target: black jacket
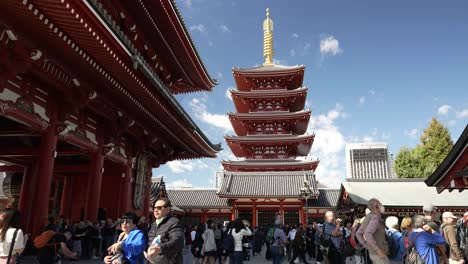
[172,240]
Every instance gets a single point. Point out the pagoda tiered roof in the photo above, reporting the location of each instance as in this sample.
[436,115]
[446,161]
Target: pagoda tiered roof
[296,98]
[298,121]
[270,165]
[242,146]
[279,77]
[271,184]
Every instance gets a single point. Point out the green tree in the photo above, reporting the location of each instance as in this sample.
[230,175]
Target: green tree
[407,163]
[423,160]
[436,143]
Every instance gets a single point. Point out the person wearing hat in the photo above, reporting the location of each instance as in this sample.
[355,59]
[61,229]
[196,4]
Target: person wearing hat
[392,224]
[450,235]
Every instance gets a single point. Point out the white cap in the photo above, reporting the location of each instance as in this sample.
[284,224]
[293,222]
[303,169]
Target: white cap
[449,215]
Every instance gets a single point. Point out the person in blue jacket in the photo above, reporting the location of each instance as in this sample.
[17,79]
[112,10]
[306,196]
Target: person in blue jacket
[131,242]
[425,242]
[392,224]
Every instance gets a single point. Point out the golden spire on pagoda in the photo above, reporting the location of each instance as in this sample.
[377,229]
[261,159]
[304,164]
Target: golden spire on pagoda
[268,39]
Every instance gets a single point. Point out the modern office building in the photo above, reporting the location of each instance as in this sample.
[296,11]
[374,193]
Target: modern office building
[369,161]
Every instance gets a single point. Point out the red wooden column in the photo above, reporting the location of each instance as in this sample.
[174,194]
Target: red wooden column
[67,194]
[303,215]
[45,168]
[233,210]
[282,211]
[94,185]
[28,190]
[254,213]
[125,195]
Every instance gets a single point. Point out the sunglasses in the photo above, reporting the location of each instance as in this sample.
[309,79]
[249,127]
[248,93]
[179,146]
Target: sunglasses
[126,221]
[159,207]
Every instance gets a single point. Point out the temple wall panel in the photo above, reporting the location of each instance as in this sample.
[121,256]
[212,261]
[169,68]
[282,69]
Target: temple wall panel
[79,198]
[111,189]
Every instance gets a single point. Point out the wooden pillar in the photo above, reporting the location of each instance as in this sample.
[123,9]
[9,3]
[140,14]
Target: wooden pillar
[303,215]
[94,185]
[28,191]
[67,194]
[45,168]
[254,213]
[233,210]
[125,195]
[282,211]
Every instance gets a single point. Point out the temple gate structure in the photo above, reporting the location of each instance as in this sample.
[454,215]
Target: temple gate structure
[87,104]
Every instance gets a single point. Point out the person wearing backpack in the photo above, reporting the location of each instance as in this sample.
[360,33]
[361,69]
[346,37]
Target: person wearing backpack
[396,243]
[277,242]
[371,235]
[425,243]
[449,233]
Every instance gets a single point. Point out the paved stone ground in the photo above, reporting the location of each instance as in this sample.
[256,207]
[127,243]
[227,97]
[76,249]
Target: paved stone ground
[188,259]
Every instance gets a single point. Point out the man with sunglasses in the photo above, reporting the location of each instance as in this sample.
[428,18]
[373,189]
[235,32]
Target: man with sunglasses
[166,236]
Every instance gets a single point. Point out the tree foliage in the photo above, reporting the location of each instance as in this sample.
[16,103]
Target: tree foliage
[421,161]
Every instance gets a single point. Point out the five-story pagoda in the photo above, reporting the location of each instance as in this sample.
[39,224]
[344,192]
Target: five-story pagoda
[271,125]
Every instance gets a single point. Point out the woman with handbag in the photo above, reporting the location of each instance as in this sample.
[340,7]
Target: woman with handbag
[12,239]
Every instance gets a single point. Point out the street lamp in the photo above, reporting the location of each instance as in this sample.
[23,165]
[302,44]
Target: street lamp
[306,191]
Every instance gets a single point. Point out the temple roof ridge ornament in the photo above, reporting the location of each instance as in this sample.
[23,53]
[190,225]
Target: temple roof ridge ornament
[268,39]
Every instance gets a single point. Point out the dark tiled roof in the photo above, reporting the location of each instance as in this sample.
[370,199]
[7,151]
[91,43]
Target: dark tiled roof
[266,184]
[196,198]
[327,198]
[158,189]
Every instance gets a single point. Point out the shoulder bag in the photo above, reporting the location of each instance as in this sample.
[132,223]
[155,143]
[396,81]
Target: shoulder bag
[10,253]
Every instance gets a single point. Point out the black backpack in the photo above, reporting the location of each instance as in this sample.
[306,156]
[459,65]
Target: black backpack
[228,242]
[392,244]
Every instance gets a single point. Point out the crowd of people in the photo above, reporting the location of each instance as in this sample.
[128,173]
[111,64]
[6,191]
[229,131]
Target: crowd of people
[373,238]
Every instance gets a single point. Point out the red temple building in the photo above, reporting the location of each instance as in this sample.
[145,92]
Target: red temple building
[271,126]
[452,174]
[87,104]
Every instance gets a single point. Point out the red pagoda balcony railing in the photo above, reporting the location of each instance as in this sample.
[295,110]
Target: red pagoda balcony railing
[272,105]
[271,128]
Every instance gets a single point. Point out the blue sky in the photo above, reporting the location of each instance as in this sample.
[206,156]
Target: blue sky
[376,71]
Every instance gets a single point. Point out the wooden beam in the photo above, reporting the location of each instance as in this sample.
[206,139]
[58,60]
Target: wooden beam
[11,168]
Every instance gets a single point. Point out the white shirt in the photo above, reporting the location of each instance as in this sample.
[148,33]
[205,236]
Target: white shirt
[193,234]
[292,234]
[6,244]
[238,237]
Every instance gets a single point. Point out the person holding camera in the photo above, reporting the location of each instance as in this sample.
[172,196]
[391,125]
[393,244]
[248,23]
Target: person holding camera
[131,243]
[240,229]
[333,231]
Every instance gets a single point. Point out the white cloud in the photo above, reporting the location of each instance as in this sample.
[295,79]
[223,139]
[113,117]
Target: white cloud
[224,29]
[362,100]
[188,3]
[279,62]
[452,122]
[306,48]
[444,109]
[219,75]
[295,35]
[329,45]
[413,133]
[178,166]
[217,120]
[183,183]
[292,53]
[372,92]
[200,28]
[228,93]
[329,146]
[463,113]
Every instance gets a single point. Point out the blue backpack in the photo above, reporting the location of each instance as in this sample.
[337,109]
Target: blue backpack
[228,242]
